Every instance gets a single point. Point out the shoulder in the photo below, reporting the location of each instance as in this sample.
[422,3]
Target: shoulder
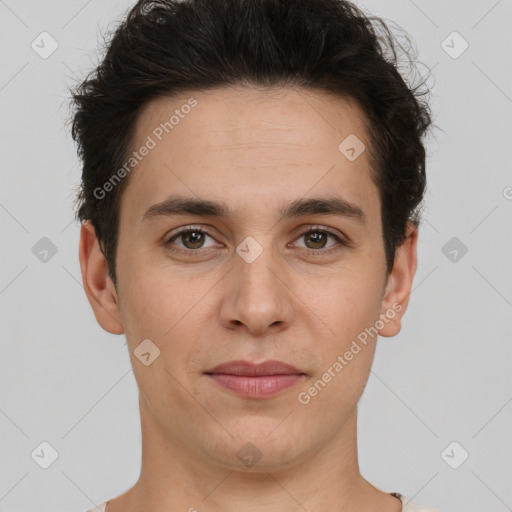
[98,508]
[410,506]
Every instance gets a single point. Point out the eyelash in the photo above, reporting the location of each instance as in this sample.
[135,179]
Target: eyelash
[323,230]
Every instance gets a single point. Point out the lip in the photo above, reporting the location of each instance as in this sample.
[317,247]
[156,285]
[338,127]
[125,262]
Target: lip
[256,380]
[248,369]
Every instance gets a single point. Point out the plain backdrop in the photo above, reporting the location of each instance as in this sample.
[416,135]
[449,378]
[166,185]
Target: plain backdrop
[435,419]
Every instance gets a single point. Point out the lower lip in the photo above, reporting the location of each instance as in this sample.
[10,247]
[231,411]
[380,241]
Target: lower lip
[256,387]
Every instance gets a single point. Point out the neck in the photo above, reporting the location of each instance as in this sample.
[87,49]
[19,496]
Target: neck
[174,478]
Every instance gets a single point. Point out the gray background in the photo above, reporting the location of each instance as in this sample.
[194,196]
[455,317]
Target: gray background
[446,377]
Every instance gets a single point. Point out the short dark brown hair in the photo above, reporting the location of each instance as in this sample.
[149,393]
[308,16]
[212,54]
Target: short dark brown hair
[165,47]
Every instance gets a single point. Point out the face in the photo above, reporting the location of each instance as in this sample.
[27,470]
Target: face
[246,234]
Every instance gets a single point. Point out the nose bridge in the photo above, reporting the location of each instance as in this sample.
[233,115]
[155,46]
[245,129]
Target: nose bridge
[257,265]
[257,297]
[256,270]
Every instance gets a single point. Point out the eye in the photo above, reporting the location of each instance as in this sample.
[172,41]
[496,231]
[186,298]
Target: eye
[316,239]
[191,238]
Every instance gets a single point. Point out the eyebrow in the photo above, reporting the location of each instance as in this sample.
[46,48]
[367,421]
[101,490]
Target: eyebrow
[179,205]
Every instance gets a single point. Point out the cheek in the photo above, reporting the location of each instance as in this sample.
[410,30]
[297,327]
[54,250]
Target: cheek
[169,311]
[360,311]
[346,302]
[350,310]
[149,299]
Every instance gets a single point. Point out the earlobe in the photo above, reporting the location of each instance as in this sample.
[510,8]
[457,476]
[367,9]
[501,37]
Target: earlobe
[98,285]
[399,284]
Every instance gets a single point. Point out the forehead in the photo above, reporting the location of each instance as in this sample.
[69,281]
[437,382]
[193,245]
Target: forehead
[241,115]
[235,142]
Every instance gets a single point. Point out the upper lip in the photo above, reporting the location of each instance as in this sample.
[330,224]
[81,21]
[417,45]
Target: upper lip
[249,369]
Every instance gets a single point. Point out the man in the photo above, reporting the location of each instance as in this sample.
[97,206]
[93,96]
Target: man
[252,172]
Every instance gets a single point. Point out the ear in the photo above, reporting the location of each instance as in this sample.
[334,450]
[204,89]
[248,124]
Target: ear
[398,287]
[98,285]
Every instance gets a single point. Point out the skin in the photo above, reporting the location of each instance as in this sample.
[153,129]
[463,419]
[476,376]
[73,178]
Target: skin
[289,304]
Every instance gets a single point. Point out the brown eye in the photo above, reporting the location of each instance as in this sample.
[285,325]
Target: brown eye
[193,239]
[316,240]
[190,240]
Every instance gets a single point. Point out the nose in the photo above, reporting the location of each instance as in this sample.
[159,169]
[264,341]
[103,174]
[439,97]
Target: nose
[256,296]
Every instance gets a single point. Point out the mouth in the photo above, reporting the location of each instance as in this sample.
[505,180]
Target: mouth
[252,380]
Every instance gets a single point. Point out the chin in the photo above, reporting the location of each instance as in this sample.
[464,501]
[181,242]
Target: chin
[257,445]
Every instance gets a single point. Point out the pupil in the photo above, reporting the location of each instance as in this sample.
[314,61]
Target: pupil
[193,234]
[317,235]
